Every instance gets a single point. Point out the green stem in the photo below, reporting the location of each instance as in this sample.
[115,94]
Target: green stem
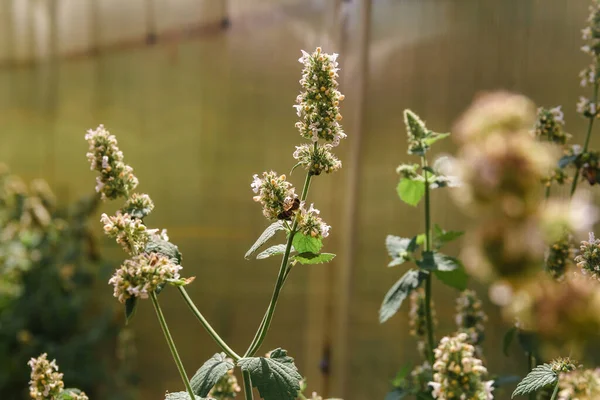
[555,393]
[428,314]
[171,343]
[206,325]
[587,141]
[247,385]
[261,333]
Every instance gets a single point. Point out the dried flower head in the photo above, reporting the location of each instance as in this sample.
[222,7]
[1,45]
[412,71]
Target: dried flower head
[550,125]
[318,104]
[130,232]
[116,178]
[317,159]
[275,193]
[458,374]
[143,274]
[589,257]
[470,318]
[46,382]
[311,224]
[582,384]
[227,387]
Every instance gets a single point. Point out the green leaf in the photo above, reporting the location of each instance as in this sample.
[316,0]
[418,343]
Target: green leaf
[509,336]
[397,293]
[540,377]
[505,380]
[457,278]
[306,244]
[130,307]
[276,377]
[181,396]
[69,394]
[396,394]
[400,249]
[398,380]
[433,137]
[209,373]
[528,342]
[565,161]
[272,251]
[411,191]
[434,261]
[311,258]
[441,237]
[264,237]
[167,249]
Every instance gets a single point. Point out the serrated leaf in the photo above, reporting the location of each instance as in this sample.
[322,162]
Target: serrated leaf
[182,396]
[397,293]
[396,394]
[130,307]
[209,373]
[539,378]
[399,248]
[306,244]
[433,137]
[434,261]
[272,251]
[276,377]
[311,258]
[505,380]
[441,237]
[165,248]
[264,237]
[457,279]
[411,191]
[509,336]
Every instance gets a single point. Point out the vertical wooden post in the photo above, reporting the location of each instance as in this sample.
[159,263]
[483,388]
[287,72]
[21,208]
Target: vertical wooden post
[347,262]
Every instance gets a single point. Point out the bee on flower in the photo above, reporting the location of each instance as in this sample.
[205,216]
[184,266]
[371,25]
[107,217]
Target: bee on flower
[275,194]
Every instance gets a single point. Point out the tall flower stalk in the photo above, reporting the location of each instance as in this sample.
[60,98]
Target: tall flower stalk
[155,262]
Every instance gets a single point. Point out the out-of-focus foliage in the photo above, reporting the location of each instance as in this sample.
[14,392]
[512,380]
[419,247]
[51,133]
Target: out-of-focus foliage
[48,268]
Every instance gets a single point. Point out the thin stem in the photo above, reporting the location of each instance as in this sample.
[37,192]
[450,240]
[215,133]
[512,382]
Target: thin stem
[555,393]
[171,343]
[587,141]
[264,327]
[206,325]
[247,385]
[428,316]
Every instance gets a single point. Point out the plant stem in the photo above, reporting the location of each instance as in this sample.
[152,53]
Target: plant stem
[171,343]
[587,141]
[531,365]
[428,316]
[555,393]
[206,325]
[247,385]
[264,327]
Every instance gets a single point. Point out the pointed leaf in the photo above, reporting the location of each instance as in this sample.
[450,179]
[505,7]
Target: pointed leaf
[276,377]
[311,258]
[528,342]
[540,377]
[441,237]
[457,278]
[181,396]
[411,191]
[397,293]
[306,244]
[209,373]
[434,261]
[509,336]
[399,249]
[264,237]
[272,251]
[434,137]
[130,307]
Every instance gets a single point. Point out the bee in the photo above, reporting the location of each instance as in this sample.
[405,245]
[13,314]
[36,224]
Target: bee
[289,207]
[590,173]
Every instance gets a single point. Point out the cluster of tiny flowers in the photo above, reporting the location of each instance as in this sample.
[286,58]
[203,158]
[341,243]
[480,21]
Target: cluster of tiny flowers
[558,175]
[581,384]
[550,125]
[501,165]
[46,382]
[589,76]
[470,317]
[227,387]
[310,224]
[418,319]
[559,256]
[458,374]
[138,205]
[116,178]
[408,171]
[143,274]
[589,257]
[420,377]
[275,194]
[317,159]
[318,105]
[130,232]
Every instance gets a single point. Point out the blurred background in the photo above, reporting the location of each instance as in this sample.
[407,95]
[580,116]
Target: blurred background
[199,94]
